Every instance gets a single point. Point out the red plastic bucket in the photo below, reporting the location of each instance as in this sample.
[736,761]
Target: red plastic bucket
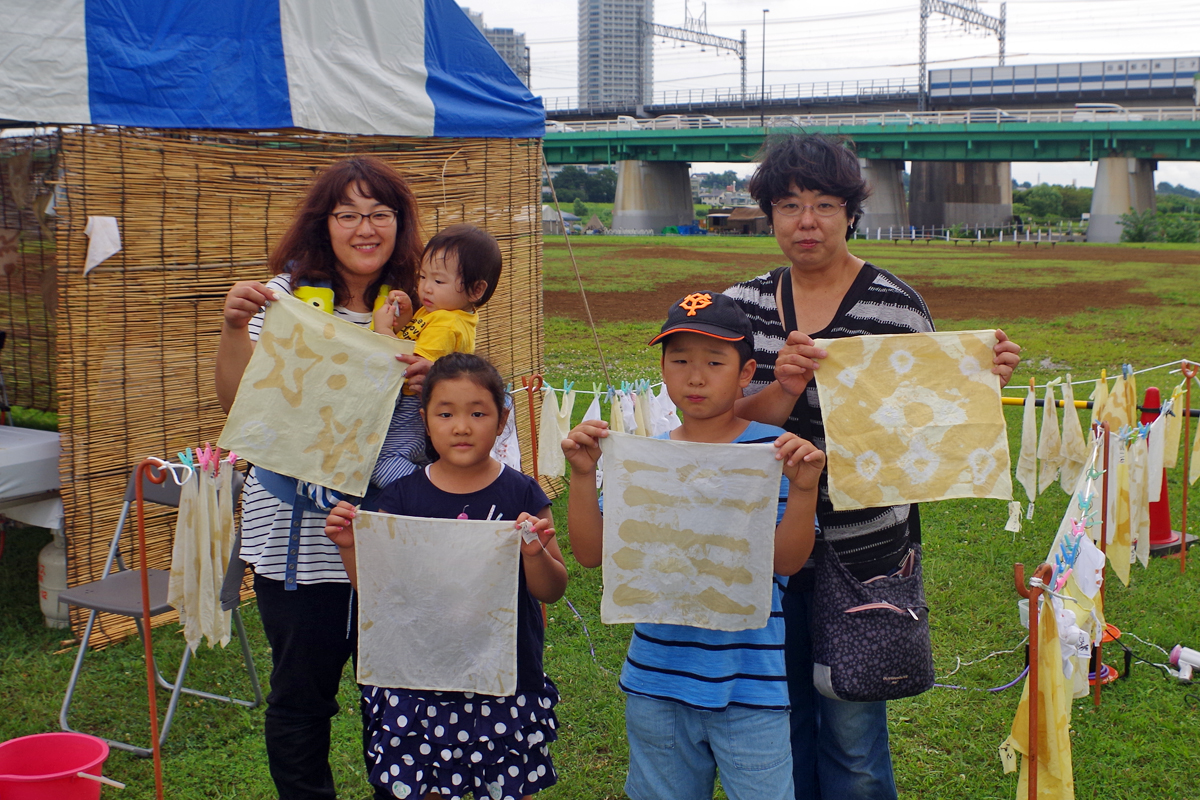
[45,766]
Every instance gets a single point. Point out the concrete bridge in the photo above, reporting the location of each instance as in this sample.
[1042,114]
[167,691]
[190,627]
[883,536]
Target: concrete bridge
[961,171]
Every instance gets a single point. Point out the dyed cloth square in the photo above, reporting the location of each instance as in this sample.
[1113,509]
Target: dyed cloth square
[315,400]
[437,603]
[689,532]
[911,418]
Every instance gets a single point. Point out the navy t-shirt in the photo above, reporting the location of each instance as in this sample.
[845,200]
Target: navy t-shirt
[506,497]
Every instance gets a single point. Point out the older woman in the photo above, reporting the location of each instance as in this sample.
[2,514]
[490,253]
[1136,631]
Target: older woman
[812,190]
[355,231]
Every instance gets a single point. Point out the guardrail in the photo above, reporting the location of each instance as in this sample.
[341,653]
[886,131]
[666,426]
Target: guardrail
[876,88]
[969,117]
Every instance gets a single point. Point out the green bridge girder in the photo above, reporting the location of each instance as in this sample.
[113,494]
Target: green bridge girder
[1172,140]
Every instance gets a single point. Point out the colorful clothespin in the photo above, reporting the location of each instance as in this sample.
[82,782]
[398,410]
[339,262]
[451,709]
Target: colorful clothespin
[568,386]
[185,458]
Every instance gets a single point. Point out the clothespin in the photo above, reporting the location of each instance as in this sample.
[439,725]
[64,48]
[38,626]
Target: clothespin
[232,459]
[185,458]
[1143,430]
[567,386]
[1054,382]
[1127,371]
[596,390]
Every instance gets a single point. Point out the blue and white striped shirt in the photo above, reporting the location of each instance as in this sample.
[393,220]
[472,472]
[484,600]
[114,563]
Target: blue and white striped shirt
[713,670]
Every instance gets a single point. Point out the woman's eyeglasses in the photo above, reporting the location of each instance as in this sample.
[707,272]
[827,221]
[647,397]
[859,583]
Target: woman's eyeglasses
[790,208]
[352,219]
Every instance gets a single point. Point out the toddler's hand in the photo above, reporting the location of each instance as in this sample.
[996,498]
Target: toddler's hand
[543,529]
[582,445]
[339,525]
[803,461]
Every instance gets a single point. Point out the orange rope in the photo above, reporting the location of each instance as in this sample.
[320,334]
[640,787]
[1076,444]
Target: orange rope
[150,693]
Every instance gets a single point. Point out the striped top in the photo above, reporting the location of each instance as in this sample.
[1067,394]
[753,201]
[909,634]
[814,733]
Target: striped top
[713,670]
[868,541]
[266,520]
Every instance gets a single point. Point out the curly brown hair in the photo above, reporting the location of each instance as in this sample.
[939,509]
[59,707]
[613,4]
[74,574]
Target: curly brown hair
[812,161]
[306,251]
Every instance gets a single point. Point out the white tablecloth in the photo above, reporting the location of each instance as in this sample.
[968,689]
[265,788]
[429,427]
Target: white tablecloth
[29,477]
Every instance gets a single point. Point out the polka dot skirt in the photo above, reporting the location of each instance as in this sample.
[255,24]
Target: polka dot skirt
[496,748]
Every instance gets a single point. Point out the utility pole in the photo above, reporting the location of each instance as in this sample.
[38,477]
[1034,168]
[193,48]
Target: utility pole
[971,17]
[762,90]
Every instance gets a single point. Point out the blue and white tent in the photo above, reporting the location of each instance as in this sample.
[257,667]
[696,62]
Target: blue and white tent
[389,67]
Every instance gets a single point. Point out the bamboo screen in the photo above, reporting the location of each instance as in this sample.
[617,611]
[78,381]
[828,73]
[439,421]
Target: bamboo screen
[197,211]
[28,294]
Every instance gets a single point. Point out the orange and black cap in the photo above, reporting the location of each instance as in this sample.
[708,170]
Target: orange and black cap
[709,314]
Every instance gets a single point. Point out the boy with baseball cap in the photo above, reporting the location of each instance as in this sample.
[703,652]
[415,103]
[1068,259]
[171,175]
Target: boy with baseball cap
[697,700]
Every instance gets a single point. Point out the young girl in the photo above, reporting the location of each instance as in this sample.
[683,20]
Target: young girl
[445,744]
[458,274]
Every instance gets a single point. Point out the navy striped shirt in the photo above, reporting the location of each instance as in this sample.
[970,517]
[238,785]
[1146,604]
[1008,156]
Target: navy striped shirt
[713,670]
[869,541]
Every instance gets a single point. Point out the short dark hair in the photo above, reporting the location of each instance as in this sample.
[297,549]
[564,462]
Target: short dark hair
[478,255]
[812,161]
[465,365]
[305,249]
[745,350]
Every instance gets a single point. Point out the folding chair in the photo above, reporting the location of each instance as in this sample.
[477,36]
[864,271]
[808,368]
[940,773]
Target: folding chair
[119,591]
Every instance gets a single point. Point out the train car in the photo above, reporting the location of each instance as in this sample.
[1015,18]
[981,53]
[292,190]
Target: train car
[1154,77]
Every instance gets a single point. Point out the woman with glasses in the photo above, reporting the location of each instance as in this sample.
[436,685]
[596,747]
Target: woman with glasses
[812,190]
[355,231]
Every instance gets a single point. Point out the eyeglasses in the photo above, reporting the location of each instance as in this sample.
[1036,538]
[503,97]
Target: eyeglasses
[790,208]
[352,219]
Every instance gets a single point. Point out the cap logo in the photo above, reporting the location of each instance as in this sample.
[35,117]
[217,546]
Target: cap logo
[694,302]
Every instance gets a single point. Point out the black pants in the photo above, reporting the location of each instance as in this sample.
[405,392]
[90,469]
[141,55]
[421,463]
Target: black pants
[312,632]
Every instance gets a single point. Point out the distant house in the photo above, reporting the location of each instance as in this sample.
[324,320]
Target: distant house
[595,225]
[748,220]
[550,223]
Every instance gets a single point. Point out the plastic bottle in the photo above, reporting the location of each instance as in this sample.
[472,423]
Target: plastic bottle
[52,579]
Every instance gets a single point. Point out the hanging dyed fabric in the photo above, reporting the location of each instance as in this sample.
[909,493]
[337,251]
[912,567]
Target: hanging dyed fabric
[665,419]
[204,533]
[1099,398]
[1074,446]
[1139,499]
[1194,468]
[628,413]
[1116,407]
[616,419]
[551,461]
[1174,433]
[1120,540]
[1155,451]
[642,412]
[593,413]
[912,418]
[1049,451]
[437,602]
[1027,460]
[507,449]
[1055,776]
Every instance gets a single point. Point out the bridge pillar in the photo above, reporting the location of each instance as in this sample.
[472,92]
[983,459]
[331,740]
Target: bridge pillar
[652,195]
[886,207]
[960,193]
[1122,185]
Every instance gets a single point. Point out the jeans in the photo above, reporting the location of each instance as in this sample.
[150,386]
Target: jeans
[312,632]
[676,750]
[839,749]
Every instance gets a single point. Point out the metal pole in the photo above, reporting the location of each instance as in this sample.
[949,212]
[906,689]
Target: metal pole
[743,55]
[762,91]
[922,86]
[1000,34]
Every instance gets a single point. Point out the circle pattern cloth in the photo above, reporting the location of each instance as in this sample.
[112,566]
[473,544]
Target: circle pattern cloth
[455,743]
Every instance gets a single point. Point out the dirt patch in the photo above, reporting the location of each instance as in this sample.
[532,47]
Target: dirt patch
[946,303]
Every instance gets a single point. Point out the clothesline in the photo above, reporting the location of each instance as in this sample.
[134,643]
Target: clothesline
[1091,381]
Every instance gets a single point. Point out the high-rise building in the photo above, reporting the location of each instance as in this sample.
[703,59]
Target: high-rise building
[615,63]
[508,43]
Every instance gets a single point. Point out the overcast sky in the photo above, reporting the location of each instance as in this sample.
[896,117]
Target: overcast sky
[809,42]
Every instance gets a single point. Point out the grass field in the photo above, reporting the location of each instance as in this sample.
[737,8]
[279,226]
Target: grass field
[1078,309]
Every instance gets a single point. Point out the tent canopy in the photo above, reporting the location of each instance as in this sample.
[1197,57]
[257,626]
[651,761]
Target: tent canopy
[388,67]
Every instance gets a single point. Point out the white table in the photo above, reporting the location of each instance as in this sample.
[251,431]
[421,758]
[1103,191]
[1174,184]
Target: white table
[29,477]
